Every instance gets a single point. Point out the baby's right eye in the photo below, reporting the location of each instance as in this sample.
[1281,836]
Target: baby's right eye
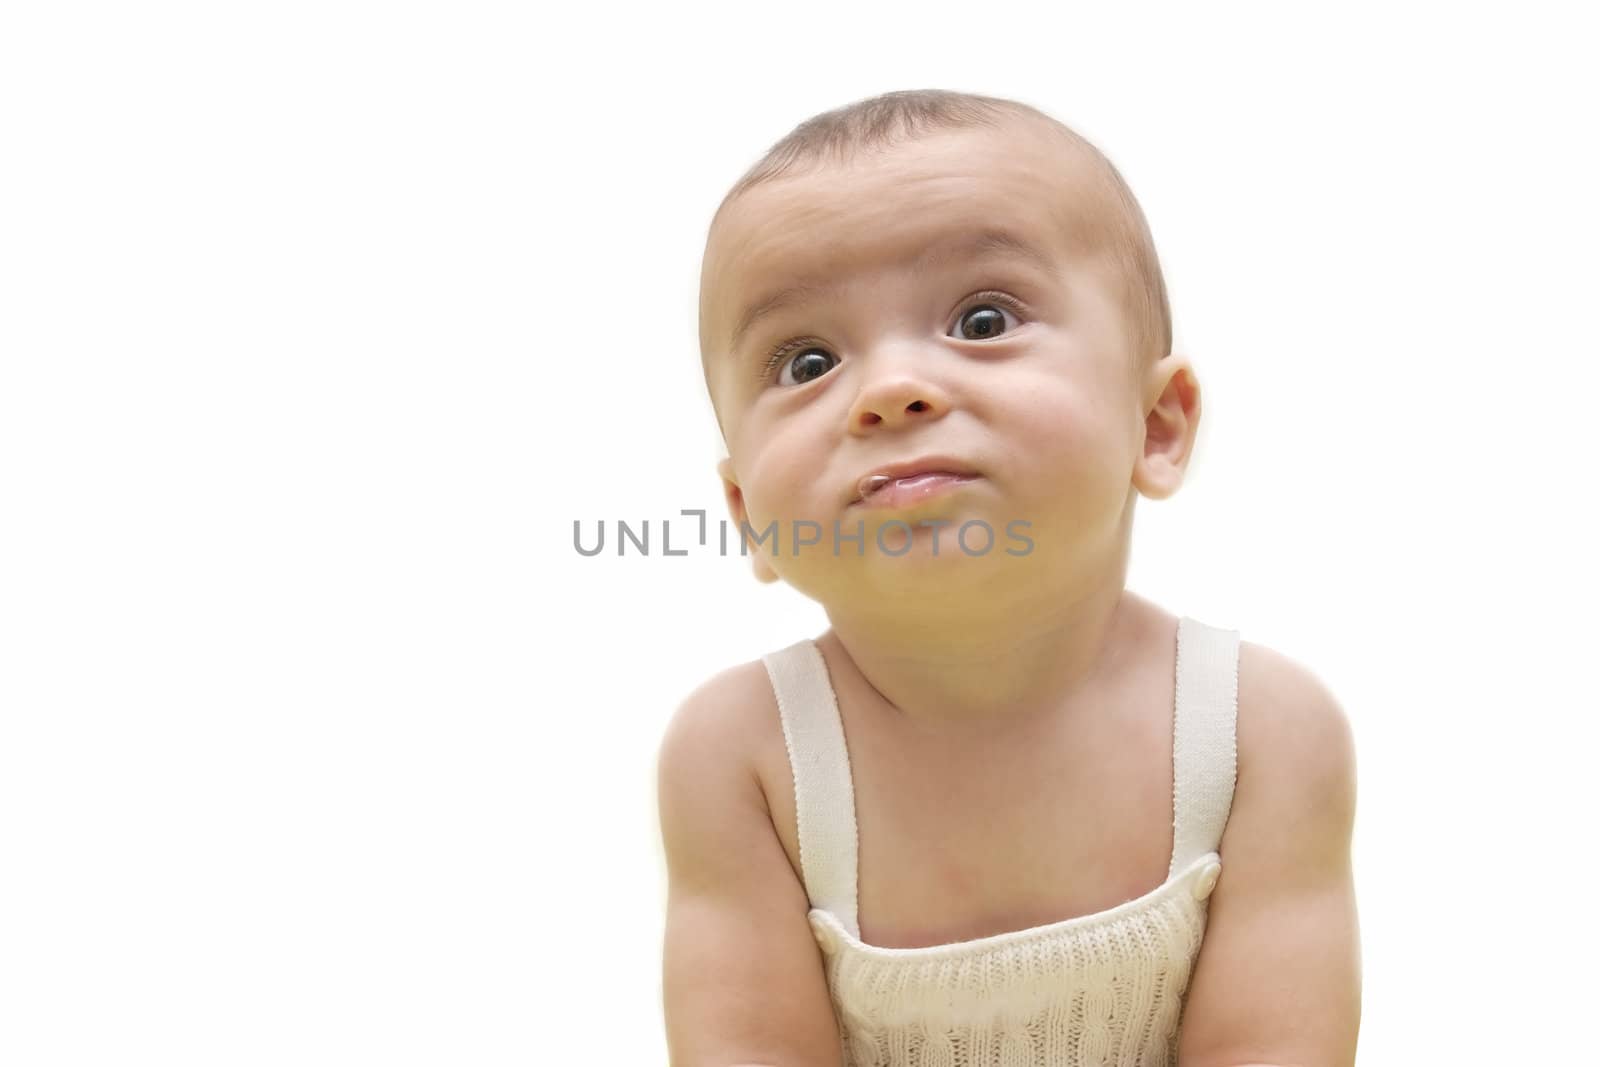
[801,354]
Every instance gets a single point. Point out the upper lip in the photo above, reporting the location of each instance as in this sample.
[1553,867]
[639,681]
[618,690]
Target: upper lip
[921,465]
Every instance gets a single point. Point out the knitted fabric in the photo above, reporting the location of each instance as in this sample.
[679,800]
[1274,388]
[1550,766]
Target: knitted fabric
[1100,989]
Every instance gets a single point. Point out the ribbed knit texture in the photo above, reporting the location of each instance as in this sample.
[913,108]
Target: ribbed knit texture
[1102,989]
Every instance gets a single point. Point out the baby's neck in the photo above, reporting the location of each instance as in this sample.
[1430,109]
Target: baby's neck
[1020,664]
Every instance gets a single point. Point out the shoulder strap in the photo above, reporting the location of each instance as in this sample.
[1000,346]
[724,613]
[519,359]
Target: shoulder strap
[1204,739]
[824,799]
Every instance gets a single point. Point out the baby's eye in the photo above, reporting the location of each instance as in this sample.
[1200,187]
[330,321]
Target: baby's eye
[806,363]
[986,319]
[800,361]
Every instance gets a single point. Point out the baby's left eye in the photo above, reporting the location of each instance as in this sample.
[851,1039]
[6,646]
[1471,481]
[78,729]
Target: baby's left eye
[984,320]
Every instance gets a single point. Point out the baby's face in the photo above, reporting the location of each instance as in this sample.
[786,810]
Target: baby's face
[930,300]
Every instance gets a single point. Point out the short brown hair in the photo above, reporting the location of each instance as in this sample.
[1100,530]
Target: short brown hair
[1121,233]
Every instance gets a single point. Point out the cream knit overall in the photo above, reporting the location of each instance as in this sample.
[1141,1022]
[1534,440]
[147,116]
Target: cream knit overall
[1099,989]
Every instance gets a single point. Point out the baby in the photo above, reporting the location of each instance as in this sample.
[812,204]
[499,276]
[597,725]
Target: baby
[1003,811]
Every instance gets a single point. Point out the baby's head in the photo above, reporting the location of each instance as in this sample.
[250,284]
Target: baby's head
[937,274]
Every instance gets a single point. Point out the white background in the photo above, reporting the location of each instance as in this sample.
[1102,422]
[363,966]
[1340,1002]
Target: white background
[322,323]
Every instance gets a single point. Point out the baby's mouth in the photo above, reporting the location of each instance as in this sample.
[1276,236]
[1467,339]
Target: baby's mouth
[882,489]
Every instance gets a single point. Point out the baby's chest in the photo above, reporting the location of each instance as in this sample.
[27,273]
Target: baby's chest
[961,844]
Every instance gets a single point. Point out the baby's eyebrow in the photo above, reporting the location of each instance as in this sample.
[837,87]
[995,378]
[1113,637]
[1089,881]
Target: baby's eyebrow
[971,245]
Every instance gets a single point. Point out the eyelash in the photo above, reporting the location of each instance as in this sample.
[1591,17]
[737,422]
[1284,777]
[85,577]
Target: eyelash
[800,344]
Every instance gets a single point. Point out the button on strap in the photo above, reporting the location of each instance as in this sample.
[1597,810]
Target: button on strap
[1207,880]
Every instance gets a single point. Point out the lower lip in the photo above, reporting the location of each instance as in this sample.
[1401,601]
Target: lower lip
[904,492]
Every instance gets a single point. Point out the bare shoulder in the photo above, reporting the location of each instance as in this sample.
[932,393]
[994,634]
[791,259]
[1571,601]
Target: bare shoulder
[742,977]
[1294,737]
[731,720]
[1278,979]
[718,741]
[724,720]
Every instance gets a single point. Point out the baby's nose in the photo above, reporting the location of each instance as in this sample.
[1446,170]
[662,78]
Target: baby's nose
[896,402]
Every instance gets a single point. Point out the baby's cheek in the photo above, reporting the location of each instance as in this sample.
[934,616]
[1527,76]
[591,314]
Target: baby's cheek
[784,486]
[1061,422]
[1077,456]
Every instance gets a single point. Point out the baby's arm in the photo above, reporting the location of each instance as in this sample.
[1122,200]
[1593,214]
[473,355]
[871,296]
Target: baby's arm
[1278,979]
[742,974]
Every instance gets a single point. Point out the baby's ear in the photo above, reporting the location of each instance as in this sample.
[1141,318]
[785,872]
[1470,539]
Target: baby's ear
[736,511]
[1169,428]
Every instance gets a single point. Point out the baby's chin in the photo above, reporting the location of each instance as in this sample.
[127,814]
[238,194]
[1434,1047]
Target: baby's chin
[918,568]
